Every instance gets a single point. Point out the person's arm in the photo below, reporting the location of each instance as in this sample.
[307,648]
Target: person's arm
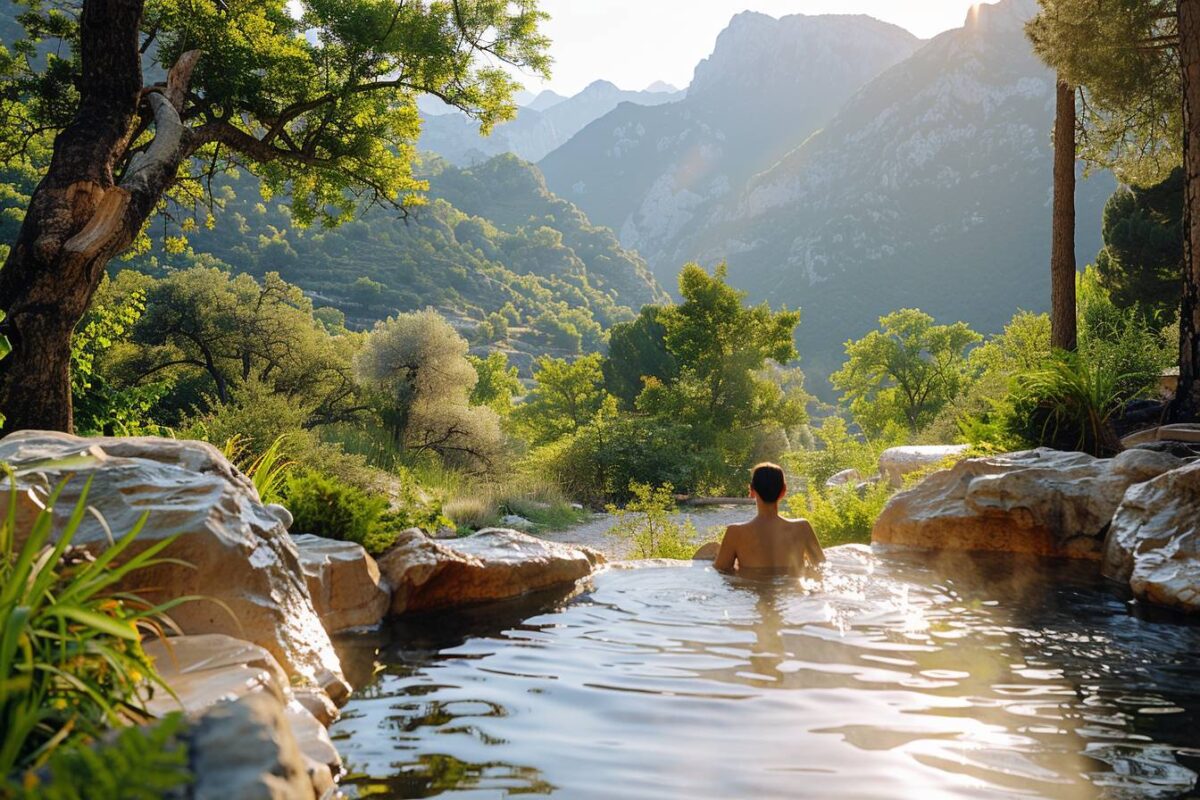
[812,547]
[727,556]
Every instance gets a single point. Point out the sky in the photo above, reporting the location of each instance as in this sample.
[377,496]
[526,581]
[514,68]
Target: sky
[636,42]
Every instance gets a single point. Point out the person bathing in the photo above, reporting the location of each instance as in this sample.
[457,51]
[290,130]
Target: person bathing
[769,543]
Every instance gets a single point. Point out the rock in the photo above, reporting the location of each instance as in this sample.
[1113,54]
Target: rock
[239,552]
[1154,541]
[897,462]
[516,521]
[317,703]
[282,514]
[1185,432]
[1178,449]
[245,750]
[492,565]
[844,478]
[446,532]
[707,552]
[210,669]
[1042,502]
[343,581]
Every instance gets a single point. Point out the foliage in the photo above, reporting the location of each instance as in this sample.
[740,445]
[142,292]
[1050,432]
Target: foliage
[268,470]
[317,99]
[138,763]
[565,397]
[1119,339]
[496,383]
[646,526]
[839,451]
[1141,265]
[906,371]
[71,662]
[842,514]
[638,350]
[598,463]
[1121,55]
[325,506]
[721,347]
[418,367]
[1070,403]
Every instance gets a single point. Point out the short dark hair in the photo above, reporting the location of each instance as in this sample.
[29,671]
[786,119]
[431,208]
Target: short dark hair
[767,482]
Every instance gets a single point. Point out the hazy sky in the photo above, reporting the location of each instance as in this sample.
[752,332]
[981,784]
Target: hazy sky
[635,42]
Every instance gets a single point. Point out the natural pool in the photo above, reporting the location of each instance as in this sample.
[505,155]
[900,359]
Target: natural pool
[894,677]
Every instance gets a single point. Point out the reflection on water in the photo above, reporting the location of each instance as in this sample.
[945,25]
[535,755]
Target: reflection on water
[887,678]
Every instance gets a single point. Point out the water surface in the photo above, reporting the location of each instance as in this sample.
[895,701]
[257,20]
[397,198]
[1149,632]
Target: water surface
[890,677]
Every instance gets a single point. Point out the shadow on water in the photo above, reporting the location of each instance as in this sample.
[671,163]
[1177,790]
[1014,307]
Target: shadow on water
[892,676]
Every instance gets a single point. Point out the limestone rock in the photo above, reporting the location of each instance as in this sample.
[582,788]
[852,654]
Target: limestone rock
[210,669]
[1184,432]
[344,582]
[1154,541]
[492,565]
[239,552]
[847,477]
[245,750]
[1042,502]
[707,552]
[897,462]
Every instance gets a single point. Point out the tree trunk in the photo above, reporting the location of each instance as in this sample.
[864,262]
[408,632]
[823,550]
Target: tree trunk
[79,217]
[1187,397]
[1063,332]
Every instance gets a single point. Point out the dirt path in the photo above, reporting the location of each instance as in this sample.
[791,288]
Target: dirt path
[710,523]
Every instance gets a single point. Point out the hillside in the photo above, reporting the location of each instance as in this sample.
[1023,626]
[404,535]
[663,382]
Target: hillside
[489,237]
[929,187]
[547,122]
[654,173]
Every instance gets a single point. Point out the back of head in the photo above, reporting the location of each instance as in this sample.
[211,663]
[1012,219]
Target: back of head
[767,482]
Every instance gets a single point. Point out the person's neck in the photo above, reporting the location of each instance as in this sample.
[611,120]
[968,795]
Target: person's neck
[767,510]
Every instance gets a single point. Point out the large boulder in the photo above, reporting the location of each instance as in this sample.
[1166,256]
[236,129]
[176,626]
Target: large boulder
[236,555]
[1154,541]
[492,565]
[344,582]
[1042,502]
[897,462]
[1183,432]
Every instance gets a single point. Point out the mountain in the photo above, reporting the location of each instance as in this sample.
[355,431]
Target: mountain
[931,188]
[654,174]
[490,235]
[545,124]
[544,100]
[661,86]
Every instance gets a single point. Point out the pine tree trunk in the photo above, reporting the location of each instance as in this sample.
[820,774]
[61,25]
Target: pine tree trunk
[79,217]
[1063,332]
[1187,397]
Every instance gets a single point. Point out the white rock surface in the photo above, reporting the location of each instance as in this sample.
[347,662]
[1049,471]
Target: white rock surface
[1154,542]
[344,582]
[242,561]
[1042,502]
[897,462]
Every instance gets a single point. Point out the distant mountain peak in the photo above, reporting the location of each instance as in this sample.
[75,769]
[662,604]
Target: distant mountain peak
[998,16]
[661,86]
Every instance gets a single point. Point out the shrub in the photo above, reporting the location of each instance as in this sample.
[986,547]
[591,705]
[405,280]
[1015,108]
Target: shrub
[645,524]
[71,661]
[327,507]
[843,514]
[840,450]
[268,470]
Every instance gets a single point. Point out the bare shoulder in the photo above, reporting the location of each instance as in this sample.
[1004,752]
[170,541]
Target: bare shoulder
[736,528]
[801,526]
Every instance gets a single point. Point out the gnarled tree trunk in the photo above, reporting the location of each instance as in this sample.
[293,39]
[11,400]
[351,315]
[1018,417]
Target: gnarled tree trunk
[1063,327]
[79,216]
[1187,397]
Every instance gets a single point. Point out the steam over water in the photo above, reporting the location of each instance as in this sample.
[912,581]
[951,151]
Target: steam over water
[890,678]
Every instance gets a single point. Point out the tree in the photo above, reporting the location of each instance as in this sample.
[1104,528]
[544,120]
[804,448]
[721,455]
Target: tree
[566,396]
[1137,63]
[216,332]
[904,372]
[638,350]
[497,383]
[1062,249]
[721,346]
[1142,258]
[417,364]
[319,103]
